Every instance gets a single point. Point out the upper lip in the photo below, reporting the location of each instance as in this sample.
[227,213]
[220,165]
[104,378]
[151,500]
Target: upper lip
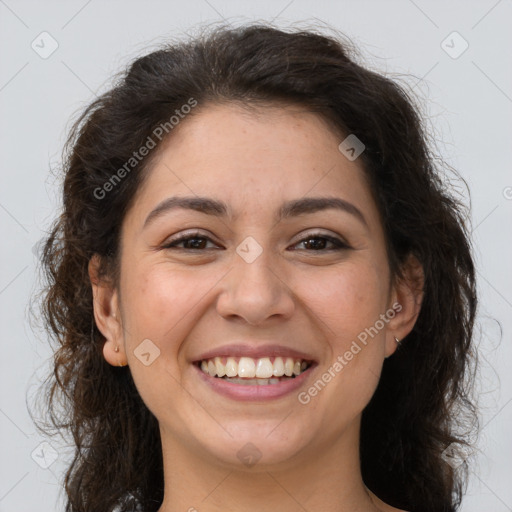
[254,351]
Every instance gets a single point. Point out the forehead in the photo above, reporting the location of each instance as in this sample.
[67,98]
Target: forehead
[254,160]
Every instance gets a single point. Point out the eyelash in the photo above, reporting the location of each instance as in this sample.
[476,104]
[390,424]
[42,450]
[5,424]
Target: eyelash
[338,244]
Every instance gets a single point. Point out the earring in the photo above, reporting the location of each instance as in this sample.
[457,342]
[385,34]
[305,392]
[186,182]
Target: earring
[397,341]
[116,350]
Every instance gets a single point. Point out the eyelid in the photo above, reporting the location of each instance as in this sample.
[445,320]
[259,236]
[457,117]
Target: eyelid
[320,234]
[339,242]
[184,236]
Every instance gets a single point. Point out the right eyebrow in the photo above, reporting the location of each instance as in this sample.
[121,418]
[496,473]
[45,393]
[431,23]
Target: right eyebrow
[200,204]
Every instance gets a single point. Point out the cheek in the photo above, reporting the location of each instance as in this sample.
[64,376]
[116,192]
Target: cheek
[346,300]
[158,301]
[344,305]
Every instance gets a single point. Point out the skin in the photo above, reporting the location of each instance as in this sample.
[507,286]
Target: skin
[315,300]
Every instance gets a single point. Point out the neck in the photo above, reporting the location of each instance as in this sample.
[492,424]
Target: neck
[322,477]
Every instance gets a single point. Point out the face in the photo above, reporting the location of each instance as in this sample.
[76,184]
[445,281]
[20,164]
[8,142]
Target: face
[274,261]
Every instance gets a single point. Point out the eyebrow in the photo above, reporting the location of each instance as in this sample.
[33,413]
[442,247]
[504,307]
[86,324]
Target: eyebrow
[289,209]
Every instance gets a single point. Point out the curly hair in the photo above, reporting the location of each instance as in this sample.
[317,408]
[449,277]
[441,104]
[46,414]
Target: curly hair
[425,393]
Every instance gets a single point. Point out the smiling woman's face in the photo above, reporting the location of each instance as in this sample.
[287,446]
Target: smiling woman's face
[267,272]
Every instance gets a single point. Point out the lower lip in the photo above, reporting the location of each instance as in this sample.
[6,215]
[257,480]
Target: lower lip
[254,392]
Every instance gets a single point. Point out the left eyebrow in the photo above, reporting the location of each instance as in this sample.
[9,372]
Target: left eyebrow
[289,209]
[314,204]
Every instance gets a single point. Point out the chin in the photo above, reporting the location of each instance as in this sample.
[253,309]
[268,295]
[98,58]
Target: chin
[252,447]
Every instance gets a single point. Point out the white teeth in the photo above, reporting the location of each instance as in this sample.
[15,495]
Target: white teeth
[248,368]
[231,367]
[278,367]
[219,367]
[264,368]
[254,382]
[288,367]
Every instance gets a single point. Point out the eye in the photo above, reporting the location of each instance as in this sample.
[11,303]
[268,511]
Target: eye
[314,242]
[191,241]
[318,242]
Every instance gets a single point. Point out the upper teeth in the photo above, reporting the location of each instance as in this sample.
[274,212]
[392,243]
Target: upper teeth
[248,367]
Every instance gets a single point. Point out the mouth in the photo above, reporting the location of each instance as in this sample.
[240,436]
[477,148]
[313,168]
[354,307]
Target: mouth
[254,379]
[250,371]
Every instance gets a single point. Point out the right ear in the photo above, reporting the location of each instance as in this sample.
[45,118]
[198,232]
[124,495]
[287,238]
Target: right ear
[107,314]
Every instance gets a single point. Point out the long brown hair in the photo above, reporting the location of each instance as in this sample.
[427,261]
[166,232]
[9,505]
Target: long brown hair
[425,391]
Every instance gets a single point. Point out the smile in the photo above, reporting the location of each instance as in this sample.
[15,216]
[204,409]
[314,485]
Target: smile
[254,379]
[251,371]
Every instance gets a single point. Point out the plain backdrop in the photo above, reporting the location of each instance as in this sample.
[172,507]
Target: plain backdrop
[455,55]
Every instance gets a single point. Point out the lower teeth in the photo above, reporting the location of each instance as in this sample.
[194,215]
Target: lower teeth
[255,382]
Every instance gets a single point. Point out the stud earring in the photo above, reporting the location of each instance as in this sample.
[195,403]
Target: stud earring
[397,340]
[117,348]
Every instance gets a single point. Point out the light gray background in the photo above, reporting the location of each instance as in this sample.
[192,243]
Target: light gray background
[469,99]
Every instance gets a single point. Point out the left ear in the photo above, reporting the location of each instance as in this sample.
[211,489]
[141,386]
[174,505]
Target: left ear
[406,299]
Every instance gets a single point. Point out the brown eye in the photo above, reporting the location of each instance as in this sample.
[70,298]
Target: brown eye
[322,243]
[191,242]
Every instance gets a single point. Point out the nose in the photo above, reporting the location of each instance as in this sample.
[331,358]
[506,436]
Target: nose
[255,291]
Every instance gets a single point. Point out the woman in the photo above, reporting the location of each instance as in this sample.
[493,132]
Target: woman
[263,294]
